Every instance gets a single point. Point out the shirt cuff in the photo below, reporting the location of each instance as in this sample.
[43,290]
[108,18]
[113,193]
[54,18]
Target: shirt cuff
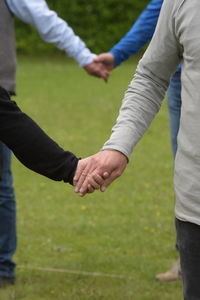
[85,57]
[117,148]
[117,58]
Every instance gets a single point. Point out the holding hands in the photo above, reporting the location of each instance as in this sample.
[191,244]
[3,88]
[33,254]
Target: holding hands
[101,66]
[97,69]
[107,59]
[99,171]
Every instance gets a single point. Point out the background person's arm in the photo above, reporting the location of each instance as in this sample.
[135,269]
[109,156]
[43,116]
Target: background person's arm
[53,29]
[31,145]
[137,37]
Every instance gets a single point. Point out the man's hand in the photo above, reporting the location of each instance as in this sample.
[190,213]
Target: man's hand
[98,70]
[98,171]
[107,59]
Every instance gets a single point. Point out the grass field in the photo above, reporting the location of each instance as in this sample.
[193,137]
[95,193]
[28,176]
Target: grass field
[126,234]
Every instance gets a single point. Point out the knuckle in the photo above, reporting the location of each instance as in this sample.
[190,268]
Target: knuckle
[84,174]
[94,161]
[117,174]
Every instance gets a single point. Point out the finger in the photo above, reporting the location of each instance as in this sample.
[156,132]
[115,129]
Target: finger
[90,189]
[104,74]
[82,194]
[94,184]
[79,170]
[99,58]
[83,187]
[94,179]
[97,74]
[107,182]
[88,180]
[105,78]
[82,177]
[105,175]
[97,178]
[80,180]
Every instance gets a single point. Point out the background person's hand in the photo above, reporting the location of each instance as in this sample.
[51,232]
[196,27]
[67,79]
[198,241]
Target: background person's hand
[99,170]
[98,70]
[107,59]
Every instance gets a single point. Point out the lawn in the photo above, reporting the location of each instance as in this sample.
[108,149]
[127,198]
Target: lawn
[105,246]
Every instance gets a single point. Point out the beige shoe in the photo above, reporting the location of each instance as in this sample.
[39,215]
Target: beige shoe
[173,274]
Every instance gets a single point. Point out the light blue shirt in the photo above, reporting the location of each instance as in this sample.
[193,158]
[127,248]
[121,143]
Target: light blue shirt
[51,28]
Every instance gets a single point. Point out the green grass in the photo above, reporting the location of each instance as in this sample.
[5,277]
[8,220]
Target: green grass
[128,230]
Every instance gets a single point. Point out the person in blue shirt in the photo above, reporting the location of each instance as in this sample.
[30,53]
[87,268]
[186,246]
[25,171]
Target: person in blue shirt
[54,30]
[139,35]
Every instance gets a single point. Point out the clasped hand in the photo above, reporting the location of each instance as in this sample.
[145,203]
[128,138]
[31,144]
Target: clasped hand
[98,171]
[101,66]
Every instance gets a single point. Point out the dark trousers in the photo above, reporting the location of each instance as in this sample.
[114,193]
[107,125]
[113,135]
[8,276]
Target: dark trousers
[1,159]
[188,242]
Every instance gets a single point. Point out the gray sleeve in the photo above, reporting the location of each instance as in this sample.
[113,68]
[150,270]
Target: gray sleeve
[143,98]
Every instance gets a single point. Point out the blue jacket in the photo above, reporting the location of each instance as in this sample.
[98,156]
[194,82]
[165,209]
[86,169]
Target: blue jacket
[140,33]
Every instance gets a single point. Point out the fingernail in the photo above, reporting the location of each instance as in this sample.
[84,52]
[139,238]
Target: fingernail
[76,190]
[103,188]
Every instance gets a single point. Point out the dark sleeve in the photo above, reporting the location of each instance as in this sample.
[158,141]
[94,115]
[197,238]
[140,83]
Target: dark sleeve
[31,145]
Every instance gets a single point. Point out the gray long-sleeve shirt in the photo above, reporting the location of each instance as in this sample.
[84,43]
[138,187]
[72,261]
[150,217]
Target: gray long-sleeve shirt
[176,39]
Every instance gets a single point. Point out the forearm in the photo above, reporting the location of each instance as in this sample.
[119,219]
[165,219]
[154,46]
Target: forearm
[141,103]
[145,93]
[140,33]
[52,28]
[31,145]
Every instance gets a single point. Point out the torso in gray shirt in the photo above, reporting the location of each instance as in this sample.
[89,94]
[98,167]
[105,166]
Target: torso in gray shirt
[176,39]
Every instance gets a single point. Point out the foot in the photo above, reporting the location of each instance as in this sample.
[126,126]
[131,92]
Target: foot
[173,274]
[4,281]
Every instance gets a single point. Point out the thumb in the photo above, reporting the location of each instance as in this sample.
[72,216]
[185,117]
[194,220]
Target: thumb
[105,175]
[98,59]
[107,182]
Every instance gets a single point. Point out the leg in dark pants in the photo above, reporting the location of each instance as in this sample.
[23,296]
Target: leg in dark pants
[7,217]
[188,242]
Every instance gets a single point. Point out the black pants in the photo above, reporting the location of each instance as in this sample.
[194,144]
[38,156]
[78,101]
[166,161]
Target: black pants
[0,160]
[188,242]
